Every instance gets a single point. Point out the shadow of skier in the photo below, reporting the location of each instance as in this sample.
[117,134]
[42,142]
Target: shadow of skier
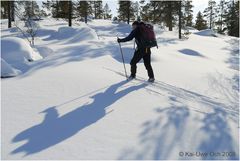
[55,129]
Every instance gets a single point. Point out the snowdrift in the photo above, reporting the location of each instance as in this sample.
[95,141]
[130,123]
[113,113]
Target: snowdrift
[73,34]
[7,70]
[15,50]
[16,53]
[207,32]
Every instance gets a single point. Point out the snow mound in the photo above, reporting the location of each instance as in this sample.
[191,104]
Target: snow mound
[84,33]
[72,34]
[16,50]
[207,32]
[7,70]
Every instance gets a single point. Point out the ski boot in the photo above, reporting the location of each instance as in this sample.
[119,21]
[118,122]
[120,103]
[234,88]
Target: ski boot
[151,80]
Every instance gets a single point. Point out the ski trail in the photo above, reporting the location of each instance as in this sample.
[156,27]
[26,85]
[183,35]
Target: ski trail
[162,88]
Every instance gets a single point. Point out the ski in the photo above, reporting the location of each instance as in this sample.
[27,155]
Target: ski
[123,75]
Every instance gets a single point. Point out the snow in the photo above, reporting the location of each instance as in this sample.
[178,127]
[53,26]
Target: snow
[44,51]
[73,35]
[7,70]
[17,52]
[207,32]
[75,104]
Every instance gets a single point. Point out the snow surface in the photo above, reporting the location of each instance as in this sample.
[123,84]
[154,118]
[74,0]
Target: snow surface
[75,103]
[7,70]
[207,32]
[16,52]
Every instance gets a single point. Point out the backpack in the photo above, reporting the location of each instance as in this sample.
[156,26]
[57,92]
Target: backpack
[148,35]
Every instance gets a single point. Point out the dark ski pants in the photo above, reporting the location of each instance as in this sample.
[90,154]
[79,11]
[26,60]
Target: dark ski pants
[138,55]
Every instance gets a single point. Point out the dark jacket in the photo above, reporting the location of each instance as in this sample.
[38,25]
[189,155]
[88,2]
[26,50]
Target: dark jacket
[134,34]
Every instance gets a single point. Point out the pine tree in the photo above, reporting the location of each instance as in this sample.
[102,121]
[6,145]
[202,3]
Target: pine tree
[210,13]
[31,10]
[153,11]
[106,12]
[4,9]
[13,10]
[70,13]
[63,9]
[7,11]
[9,14]
[169,15]
[200,22]
[156,9]
[59,9]
[84,9]
[232,19]
[144,14]
[28,9]
[98,9]
[188,13]
[171,9]
[160,12]
[221,14]
[54,7]
[180,19]
[136,10]
[126,11]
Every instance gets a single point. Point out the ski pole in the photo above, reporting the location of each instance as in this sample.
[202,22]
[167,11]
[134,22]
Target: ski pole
[123,60]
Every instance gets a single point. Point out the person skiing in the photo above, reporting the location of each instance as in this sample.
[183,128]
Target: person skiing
[141,52]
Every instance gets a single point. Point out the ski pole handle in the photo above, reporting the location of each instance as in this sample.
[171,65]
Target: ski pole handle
[118,38]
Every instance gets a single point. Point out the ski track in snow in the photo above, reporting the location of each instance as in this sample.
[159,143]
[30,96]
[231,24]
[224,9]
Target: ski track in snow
[76,104]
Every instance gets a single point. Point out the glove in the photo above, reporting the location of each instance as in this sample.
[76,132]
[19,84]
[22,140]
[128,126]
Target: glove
[119,40]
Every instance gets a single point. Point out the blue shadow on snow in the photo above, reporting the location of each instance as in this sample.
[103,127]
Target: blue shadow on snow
[190,52]
[54,129]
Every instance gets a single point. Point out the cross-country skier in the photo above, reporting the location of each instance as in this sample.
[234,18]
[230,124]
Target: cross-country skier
[140,52]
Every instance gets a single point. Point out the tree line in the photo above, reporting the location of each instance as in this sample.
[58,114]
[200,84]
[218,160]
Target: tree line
[223,17]
[56,9]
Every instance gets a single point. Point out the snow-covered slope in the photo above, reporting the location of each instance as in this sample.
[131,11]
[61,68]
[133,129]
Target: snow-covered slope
[76,104]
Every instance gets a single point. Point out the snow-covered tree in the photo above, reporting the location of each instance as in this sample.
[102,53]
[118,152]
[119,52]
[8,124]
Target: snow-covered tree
[107,12]
[31,9]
